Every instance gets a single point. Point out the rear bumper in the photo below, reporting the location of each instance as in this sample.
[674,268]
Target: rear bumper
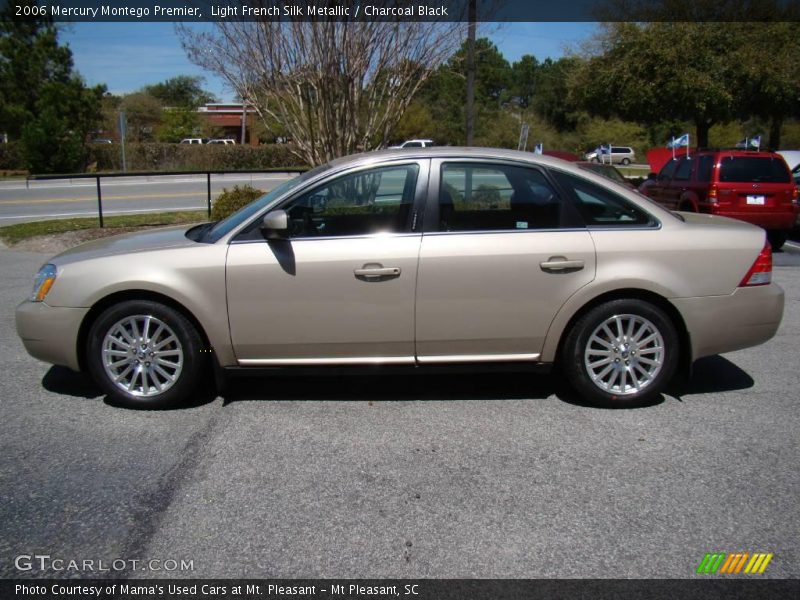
[49,333]
[717,324]
[783,220]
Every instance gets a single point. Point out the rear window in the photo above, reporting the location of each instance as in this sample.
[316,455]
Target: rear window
[753,169]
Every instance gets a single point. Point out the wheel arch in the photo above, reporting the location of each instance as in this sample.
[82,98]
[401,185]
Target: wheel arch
[690,200]
[685,346]
[121,296]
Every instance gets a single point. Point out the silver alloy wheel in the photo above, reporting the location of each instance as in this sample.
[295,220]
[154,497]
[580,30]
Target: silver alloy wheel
[142,355]
[624,354]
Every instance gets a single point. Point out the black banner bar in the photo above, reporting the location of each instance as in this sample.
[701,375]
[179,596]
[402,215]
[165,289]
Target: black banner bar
[739,588]
[403,10]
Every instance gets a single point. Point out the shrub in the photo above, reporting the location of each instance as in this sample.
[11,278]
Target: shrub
[228,202]
[11,157]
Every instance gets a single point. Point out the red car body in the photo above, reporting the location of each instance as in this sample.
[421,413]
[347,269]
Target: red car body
[756,187]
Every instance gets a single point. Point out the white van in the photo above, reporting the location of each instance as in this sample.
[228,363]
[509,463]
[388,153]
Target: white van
[620,155]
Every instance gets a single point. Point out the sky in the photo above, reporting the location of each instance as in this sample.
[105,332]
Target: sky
[128,56]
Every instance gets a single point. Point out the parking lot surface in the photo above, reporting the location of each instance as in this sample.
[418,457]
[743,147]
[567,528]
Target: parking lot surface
[489,476]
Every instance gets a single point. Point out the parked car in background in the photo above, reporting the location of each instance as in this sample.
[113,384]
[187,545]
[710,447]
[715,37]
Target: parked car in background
[194,141]
[606,170]
[227,142]
[751,186]
[436,257]
[421,143]
[102,141]
[619,155]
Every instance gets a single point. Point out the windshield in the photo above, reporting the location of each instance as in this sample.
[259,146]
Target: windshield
[228,224]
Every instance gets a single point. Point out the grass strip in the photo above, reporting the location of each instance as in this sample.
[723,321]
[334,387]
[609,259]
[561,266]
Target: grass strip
[13,234]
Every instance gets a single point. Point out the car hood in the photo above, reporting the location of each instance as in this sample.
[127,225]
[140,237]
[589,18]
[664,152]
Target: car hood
[140,241]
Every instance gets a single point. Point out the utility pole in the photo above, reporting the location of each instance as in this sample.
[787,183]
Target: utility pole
[244,120]
[123,126]
[470,125]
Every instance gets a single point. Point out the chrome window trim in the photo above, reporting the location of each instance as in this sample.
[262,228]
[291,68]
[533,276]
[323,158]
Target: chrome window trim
[376,236]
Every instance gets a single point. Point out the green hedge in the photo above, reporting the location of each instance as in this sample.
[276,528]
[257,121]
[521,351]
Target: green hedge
[190,157]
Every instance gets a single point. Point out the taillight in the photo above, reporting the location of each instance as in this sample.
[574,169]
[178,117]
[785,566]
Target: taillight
[713,196]
[795,194]
[761,271]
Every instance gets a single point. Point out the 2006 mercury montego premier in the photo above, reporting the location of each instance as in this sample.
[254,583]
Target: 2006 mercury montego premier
[418,257]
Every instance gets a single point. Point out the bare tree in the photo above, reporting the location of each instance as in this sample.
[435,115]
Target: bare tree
[335,87]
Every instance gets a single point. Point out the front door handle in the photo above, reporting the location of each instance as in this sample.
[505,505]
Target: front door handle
[560,264]
[376,272]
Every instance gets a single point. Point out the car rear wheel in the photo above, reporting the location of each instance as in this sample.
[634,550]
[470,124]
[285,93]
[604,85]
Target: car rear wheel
[626,161]
[777,238]
[145,354]
[621,353]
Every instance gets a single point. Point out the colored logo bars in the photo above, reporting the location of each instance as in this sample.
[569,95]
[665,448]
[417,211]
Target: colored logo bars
[734,563]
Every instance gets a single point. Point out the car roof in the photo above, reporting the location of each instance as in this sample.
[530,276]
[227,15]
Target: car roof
[455,152]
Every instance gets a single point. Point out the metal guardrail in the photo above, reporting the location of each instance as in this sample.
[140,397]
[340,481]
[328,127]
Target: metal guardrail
[208,174]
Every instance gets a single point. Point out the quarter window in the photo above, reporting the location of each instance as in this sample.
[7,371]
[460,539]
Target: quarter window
[363,203]
[496,197]
[705,164]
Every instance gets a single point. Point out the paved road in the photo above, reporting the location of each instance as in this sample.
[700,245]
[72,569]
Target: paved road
[447,476]
[75,198]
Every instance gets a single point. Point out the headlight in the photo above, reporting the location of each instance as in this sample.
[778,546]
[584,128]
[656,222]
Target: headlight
[45,279]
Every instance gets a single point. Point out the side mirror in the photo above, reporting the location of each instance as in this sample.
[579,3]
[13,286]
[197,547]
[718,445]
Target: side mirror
[275,224]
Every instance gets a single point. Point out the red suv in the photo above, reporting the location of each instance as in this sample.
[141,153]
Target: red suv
[756,187]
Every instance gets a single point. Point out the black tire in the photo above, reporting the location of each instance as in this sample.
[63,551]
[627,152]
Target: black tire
[187,350]
[576,351]
[625,161]
[777,238]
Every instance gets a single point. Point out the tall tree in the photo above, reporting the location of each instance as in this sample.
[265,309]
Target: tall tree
[183,91]
[42,102]
[768,80]
[524,74]
[336,87]
[653,72]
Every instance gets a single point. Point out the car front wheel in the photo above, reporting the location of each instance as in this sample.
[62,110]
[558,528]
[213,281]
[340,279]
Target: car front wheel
[145,354]
[626,161]
[621,353]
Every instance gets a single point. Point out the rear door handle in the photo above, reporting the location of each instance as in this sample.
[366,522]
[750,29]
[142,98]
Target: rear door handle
[559,264]
[374,272]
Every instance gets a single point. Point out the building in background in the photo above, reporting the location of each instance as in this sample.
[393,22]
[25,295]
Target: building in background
[227,117]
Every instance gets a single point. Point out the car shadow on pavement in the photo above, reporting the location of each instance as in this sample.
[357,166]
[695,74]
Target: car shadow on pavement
[61,380]
[473,386]
[714,374]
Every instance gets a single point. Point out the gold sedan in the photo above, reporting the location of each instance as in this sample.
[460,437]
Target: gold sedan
[418,259]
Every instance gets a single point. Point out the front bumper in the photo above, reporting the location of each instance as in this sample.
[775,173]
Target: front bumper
[747,317]
[50,333]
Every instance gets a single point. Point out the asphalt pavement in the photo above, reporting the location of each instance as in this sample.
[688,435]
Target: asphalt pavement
[429,476]
[21,202]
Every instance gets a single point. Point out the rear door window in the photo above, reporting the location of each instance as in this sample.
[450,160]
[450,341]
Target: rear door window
[600,207]
[665,174]
[753,169]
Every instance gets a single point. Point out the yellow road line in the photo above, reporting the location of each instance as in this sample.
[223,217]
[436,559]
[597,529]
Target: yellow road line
[105,198]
